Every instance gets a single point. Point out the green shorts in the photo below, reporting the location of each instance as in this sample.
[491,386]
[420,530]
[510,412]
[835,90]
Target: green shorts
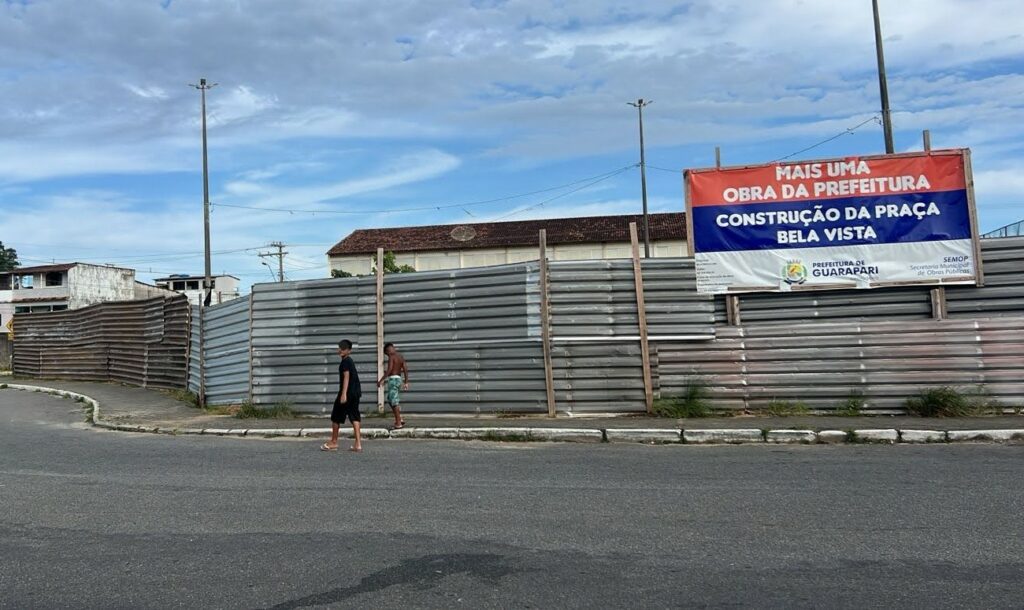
[393,390]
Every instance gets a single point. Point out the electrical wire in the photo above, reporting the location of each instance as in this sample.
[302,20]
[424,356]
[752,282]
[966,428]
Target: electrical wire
[848,131]
[575,190]
[430,207]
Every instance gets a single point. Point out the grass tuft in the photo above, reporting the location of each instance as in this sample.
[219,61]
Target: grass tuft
[185,396]
[692,403]
[280,410]
[853,406]
[948,401]
[785,408]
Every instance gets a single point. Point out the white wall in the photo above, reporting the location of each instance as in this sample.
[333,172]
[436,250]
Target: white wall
[484,257]
[89,284]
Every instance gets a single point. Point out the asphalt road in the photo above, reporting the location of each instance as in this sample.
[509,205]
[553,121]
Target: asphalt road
[90,519]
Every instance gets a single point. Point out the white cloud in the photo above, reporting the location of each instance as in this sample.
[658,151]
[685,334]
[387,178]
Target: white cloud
[410,168]
[148,92]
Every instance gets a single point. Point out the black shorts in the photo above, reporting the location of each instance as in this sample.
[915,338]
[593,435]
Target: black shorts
[349,409]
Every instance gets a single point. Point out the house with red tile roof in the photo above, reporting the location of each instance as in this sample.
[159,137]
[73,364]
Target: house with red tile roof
[458,246]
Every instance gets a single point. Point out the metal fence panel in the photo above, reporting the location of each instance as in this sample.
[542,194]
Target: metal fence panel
[226,345]
[1003,291]
[193,350]
[825,365]
[591,299]
[600,377]
[468,336]
[134,342]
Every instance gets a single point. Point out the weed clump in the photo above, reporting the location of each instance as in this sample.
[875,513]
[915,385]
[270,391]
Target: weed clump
[692,403]
[853,406]
[280,410]
[185,396]
[947,401]
[786,408]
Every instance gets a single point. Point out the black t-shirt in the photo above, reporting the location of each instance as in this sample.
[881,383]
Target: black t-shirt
[347,364]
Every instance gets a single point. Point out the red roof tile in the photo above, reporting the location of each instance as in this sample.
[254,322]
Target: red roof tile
[583,230]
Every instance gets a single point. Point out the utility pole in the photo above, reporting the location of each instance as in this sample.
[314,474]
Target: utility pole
[639,105]
[883,87]
[280,258]
[207,283]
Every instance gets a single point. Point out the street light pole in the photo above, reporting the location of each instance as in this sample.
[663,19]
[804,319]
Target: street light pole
[639,105]
[883,87]
[207,282]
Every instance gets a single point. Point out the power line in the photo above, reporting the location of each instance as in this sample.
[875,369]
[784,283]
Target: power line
[664,169]
[575,190]
[429,207]
[849,131]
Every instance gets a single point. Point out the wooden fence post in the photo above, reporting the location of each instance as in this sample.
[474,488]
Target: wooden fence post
[380,327]
[641,316]
[252,299]
[545,324]
[732,310]
[938,298]
[202,353]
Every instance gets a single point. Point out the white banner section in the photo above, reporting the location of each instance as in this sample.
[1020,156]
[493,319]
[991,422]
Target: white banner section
[863,266]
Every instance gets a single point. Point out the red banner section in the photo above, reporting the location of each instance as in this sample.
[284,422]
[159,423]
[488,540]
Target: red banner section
[936,171]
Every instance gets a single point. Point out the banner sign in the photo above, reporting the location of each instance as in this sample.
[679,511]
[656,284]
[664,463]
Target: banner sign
[859,222]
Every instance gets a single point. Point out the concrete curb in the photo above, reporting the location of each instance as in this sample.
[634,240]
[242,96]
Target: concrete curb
[715,436]
[709,436]
[791,436]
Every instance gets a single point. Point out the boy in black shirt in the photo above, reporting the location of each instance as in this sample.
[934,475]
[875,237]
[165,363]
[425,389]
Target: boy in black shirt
[346,404]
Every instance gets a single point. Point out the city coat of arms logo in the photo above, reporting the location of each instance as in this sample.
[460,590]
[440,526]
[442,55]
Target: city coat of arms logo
[794,273]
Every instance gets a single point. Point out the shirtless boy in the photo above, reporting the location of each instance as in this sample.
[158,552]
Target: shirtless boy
[394,381]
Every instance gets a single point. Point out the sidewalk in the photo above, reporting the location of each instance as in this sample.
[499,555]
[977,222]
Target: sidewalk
[125,406]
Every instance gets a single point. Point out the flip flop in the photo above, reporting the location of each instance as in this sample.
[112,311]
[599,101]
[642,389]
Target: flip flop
[326,447]
[398,427]
[354,450]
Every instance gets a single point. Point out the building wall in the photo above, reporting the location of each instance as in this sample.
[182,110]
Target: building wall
[225,288]
[195,297]
[91,284]
[485,257]
[146,291]
[6,309]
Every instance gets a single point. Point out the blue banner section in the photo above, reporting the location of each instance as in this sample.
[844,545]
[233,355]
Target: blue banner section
[885,219]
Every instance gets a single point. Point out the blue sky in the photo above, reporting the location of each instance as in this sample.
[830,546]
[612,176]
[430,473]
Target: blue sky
[351,109]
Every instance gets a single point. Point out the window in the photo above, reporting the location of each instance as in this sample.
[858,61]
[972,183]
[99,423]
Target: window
[60,307]
[22,309]
[179,285]
[26,282]
[213,282]
[192,285]
[5,281]
[55,278]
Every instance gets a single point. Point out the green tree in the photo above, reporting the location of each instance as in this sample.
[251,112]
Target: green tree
[9,258]
[340,273]
[391,264]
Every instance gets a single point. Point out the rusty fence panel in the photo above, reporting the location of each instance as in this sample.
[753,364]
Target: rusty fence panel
[141,343]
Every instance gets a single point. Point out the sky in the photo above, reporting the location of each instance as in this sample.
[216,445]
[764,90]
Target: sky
[332,116]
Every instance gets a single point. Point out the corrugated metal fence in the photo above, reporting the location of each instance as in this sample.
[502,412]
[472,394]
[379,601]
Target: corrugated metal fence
[824,348]
[473,339]
[472,336]
[140,343]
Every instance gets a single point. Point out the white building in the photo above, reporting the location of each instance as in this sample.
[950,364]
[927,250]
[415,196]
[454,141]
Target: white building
[225,287]
[498,243]
[64,286]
